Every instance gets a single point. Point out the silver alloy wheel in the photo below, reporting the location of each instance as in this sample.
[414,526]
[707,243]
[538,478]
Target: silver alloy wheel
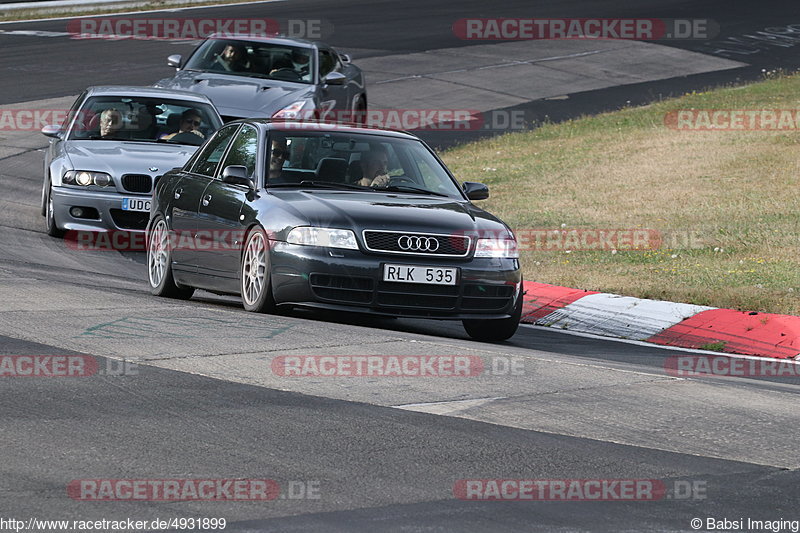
[157,253]
[51,219]
[254,268]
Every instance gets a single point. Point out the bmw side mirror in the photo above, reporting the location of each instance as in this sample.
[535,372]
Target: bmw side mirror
[237,175]
[475,191]
[52,130]
[335,78]
[175,60]
[345,58]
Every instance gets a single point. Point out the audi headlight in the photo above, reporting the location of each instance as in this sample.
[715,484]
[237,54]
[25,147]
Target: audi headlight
[85,178]
[331,238]
[293,111]
[506,248]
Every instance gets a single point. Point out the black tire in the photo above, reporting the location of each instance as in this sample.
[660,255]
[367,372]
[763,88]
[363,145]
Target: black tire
[159,263]
[49,216]
[255,278]
[495,330]
[360,111]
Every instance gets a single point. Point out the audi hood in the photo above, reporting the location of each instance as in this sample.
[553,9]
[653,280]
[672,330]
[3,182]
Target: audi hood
[384,211]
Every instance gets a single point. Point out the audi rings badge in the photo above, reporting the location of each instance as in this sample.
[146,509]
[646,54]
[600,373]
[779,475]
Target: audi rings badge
[414,243]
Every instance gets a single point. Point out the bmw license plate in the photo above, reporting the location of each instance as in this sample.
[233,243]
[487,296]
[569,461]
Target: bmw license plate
[420,274]
[136,204]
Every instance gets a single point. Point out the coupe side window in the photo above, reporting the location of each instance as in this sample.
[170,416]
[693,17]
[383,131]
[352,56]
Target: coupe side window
[327,63]
[243,150]
[208,160]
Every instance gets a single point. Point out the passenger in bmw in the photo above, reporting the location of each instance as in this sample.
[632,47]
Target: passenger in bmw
[191,120]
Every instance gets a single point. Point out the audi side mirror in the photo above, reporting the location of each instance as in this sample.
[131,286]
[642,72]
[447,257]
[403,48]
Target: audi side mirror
[475,191]
[345,58]
[175,60]
[237,175]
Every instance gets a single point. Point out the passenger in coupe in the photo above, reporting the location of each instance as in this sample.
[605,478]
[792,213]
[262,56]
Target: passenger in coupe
[110,123]
[191,120]
[233,59]
[374,167]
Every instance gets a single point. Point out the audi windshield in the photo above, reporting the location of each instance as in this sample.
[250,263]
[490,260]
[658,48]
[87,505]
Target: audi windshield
[356,161]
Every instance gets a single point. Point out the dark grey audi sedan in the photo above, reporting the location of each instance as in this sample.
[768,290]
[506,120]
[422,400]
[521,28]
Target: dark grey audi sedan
[336,217]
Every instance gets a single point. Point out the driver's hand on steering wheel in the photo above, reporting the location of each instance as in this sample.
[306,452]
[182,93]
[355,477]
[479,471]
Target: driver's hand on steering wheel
[379,181]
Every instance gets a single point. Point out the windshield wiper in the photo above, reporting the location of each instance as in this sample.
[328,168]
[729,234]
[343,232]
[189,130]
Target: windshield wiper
[410,188]
[331,185]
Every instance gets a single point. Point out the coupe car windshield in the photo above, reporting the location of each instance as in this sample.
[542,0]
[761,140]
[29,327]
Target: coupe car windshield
[355,161]
[145,119]
[254,59]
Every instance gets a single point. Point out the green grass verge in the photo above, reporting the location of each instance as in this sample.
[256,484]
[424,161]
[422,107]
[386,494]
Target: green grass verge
[736,193]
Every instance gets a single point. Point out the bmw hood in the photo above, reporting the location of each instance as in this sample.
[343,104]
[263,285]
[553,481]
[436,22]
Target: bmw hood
[386,211]
[118,157]
[239,96]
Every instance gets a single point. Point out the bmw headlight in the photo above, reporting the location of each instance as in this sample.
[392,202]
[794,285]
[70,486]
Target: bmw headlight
[85,178]
[330,238]
[506,248]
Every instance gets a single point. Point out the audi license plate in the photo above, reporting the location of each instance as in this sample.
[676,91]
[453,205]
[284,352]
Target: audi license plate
[420,274]
[136,204]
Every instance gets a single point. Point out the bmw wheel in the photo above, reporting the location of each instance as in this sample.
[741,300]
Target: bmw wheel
[50,218]
[255,278]
[159,264]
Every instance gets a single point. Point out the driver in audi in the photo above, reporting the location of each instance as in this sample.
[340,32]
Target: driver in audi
[374,168]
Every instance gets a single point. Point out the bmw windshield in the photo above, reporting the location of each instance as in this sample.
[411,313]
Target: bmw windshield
[356,161]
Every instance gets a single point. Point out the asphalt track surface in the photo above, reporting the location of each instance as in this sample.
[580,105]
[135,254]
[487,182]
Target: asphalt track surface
[202,402]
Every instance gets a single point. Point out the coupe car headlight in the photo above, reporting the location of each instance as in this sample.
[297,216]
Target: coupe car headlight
[86,178]
[293,111]
[506,248]
[331,238]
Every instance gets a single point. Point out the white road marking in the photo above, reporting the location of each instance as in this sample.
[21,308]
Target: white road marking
[114,14]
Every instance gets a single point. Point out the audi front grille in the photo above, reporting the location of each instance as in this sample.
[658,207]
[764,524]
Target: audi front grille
[411,243]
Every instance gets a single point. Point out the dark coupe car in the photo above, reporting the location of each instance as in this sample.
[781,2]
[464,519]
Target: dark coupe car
[335,217]
[246,76]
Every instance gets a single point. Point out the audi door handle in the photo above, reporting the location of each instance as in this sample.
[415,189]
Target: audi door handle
[206,200]
[178,193]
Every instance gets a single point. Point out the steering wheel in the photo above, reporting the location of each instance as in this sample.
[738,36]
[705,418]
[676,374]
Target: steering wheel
[281,73]
[402,180]
[187,137]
